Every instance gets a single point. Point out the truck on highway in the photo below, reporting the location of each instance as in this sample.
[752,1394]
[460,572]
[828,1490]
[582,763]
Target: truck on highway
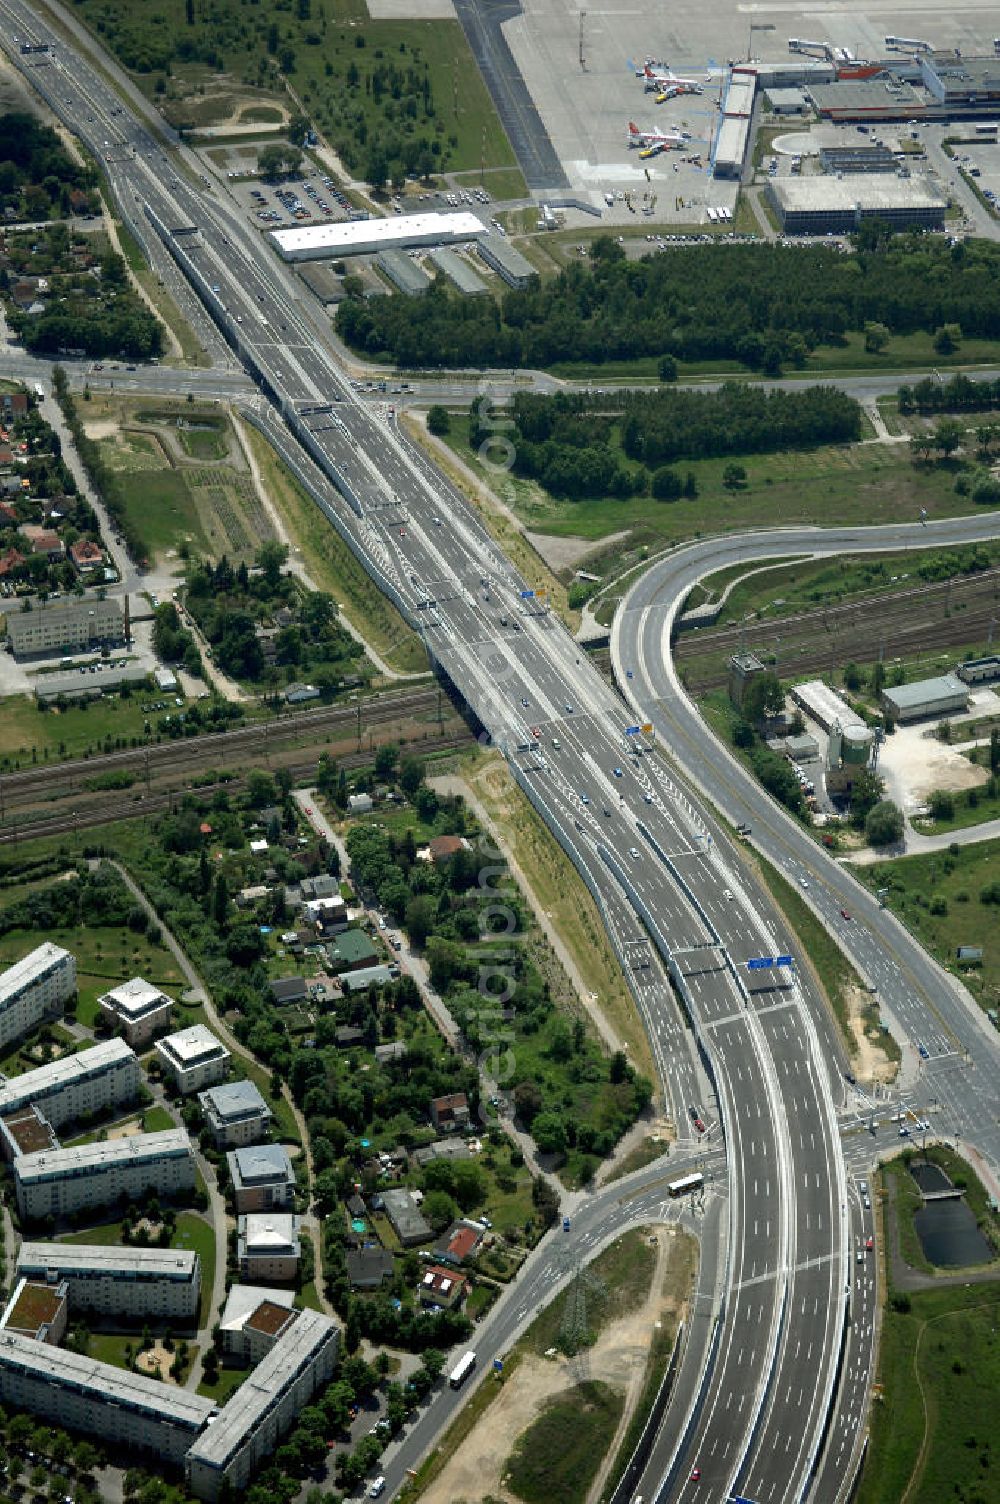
[462,1369]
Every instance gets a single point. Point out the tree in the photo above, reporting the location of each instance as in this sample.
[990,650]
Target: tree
[884,824]
[411,776]
[866,791]
[549,1132]
[948,435]
[377,168]
[852,677]
[946,338]
[764,697]
[439,1209]
[667,368]
[438,420]
[271,559]
[734,477]
[877,336]
[527,1101]
[666,484]
[742,735]
[941,804]
[386,759]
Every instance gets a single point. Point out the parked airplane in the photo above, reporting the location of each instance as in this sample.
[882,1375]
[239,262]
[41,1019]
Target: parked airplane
[653,142]
[667,84]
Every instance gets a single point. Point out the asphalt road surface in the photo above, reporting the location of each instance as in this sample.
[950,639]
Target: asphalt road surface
[678,906]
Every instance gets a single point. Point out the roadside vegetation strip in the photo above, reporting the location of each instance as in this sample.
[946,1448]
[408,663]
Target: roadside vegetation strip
[562,896]
[460,1429]
[333,567]
[558,1456]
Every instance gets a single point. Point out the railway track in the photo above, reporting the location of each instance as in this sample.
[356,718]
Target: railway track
[947,613]
[119,805]
[239,746]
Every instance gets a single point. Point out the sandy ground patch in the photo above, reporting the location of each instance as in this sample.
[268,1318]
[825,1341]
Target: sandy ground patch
[126,1130]
[914,763]
[872,1064]
[567,553]
[618,1357]
[155,1360]
[101,428]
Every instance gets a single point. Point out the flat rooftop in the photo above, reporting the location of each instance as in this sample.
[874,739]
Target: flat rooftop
[87,1158]
[235,1100]
[259,1164]
[244,1301]
[870,193]
[262,1389]
[60,1365]
[269,1318]
[269,1232]
[67,1259]
[345,238]
[943,686]
[191,1046]
[30,1131]
[23,971]
[135,998]
[58,1074]
[35,1306]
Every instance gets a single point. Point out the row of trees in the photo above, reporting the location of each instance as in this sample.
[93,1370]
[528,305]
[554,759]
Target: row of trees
[763,305]
[957,395]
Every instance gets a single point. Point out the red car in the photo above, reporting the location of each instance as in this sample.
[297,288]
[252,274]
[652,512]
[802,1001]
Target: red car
[695,1474]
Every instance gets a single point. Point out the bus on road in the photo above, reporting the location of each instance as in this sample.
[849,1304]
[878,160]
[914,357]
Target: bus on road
[687,1184]
[461,1371]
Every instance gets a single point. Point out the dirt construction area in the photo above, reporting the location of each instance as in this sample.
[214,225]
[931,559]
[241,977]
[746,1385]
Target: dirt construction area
[619,1356]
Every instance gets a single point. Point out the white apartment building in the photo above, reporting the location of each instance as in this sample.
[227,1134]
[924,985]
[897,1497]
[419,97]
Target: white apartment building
[76,1086]
[135,1283]
[35,988]
[258,1414]
[268,1245]
[193,1059]
[138,1009]
[263,1177]
[236,1113]
[124,1408]
[57,1182]
[254,1319]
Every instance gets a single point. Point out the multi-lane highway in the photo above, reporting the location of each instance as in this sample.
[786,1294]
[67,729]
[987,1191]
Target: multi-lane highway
[683,913]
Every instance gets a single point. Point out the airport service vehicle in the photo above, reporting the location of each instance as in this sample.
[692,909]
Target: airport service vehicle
[686,1185]
[462,1369]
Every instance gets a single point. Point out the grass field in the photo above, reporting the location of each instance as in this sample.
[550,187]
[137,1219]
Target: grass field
[861,483]
[193,1232]
[30,735]
[933,1423]
[356,84]
[333,567]
[170,489]
[192,350]
[953,881]
[560,1452]
[229,1380]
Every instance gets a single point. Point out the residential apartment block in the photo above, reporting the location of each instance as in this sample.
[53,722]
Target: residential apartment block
[268,1246]
[193,1059]
[254,1319]
[76,1086]
[236,1114]
[138,1009]
[33,989]
[124,1408]
[134,1283]
[258,1414]
[58,1182]
[263,1178]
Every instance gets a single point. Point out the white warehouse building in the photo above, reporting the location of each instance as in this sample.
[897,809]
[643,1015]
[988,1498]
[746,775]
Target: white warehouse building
[366,237]
[76,1086]
[57,1182]
[136,1283]
[97,1399]
[33,989]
